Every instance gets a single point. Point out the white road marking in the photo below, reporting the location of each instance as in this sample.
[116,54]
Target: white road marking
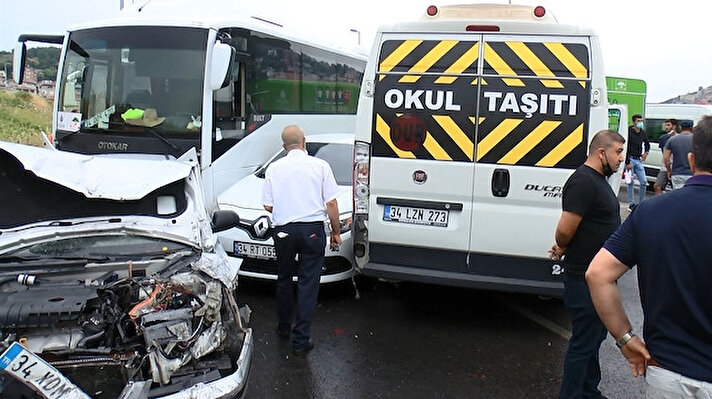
[540,320]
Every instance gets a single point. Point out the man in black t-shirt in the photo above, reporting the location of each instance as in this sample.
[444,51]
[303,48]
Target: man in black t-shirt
[591,212]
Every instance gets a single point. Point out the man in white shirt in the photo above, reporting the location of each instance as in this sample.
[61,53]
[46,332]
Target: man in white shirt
[300,191]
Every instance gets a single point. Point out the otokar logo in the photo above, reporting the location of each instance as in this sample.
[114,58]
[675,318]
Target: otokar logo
[531,103]
[421,99]
[548,191]
[113,146]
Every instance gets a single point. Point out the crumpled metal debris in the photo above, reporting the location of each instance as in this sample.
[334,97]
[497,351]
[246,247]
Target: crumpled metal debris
[216,266]
[208,341]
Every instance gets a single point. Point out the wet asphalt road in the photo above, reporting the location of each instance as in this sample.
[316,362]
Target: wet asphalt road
[423,341]
[403,340]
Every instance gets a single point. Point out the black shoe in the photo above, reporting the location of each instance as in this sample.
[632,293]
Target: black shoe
[283,331]
[302,350]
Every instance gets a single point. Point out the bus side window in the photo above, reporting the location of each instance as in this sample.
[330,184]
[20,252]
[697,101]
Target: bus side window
[654,128]
[229,113]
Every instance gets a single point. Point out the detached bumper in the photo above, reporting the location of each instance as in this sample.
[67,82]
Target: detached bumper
[228,387]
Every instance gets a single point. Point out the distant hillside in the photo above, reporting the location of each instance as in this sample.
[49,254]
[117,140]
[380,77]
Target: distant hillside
[702,96]
[23,116]
[44,59]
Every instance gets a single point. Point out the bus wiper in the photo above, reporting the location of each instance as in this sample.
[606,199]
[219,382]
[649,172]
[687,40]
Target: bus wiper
[155,133]
[98,129]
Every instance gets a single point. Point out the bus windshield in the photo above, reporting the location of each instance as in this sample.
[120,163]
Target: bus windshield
[133,82]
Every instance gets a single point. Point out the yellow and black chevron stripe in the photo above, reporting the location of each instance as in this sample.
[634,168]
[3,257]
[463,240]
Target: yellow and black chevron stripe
[498,127]
[416,57]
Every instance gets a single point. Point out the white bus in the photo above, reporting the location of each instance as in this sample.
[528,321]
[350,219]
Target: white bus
[655,117]
[469,123]
[167,76]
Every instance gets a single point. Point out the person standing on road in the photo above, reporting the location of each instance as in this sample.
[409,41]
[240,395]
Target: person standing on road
[591,212]
[674,276]
[662,180]
[678,170]
[300,191]
[638,148]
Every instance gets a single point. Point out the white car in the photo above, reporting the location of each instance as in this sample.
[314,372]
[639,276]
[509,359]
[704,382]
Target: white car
[112,284]
[250,245]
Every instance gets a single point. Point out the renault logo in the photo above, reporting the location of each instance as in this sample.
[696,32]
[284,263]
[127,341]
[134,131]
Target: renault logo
[261,226]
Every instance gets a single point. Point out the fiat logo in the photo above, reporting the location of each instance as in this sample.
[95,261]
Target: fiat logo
[419,177]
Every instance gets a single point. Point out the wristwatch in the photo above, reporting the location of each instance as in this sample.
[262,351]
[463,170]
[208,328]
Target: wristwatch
[625,338]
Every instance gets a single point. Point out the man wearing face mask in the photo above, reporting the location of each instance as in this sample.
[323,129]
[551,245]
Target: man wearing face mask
[635,156]
[590,213]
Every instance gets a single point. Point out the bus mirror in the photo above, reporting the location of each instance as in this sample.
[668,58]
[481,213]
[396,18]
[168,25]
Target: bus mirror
[221,65]
[18,62]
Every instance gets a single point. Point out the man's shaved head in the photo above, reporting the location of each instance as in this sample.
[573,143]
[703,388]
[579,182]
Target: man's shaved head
[604,139]
[292,137]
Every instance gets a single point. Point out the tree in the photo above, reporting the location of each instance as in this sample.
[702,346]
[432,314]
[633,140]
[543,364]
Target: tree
[45,59]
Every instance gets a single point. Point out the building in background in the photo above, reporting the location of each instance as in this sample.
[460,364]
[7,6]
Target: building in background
[46,89]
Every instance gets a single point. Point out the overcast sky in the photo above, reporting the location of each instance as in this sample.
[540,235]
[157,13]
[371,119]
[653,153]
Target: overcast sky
[664,43]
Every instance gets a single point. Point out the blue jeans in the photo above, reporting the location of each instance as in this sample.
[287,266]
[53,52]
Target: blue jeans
[639,172]
[582,371]
[308,241]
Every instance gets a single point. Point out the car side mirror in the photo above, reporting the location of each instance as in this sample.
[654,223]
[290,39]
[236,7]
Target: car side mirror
[223,220]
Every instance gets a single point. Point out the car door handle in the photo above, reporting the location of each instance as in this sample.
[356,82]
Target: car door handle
[500,182]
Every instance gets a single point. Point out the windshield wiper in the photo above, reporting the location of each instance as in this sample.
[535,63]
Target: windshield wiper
[52,259]
[152,131]
[98,129]
[64,223]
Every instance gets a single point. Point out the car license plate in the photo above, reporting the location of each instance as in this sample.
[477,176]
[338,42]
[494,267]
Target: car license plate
[413,215]
[34,372]
[257,251]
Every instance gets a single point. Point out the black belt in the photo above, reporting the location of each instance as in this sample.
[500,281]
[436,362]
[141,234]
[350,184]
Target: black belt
[317,223]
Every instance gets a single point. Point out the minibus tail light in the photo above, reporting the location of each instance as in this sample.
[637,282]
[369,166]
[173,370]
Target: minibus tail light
[362,160]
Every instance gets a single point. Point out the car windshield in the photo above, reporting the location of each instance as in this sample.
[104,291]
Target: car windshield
[338,156]
[133,80]
[103,246]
